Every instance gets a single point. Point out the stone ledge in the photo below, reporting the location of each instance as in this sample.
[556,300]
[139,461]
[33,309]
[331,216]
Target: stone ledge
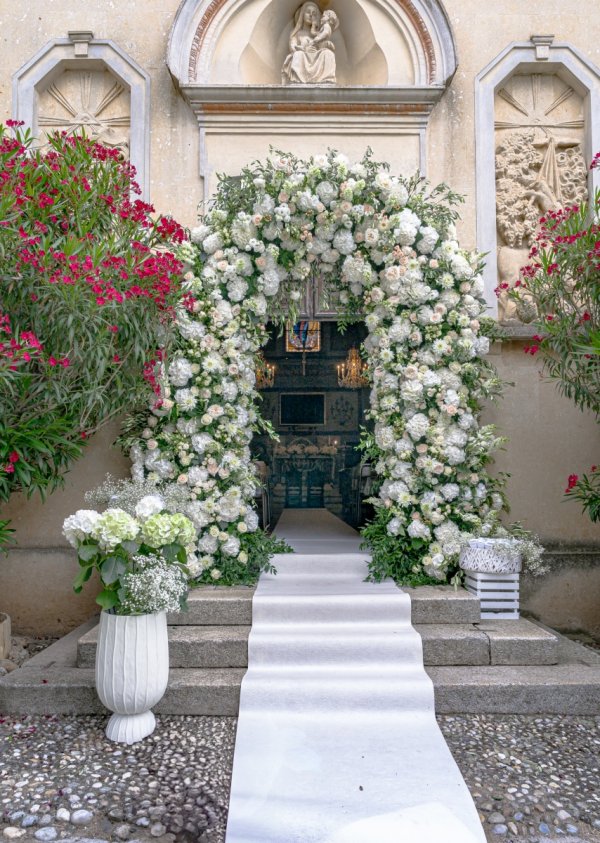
[519,642]
[216,606]
[453,644]
[189,647]
[442,604]
[558,689]
[71,690]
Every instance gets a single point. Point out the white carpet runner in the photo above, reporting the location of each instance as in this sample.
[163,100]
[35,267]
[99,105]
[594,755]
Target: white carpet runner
[337,740]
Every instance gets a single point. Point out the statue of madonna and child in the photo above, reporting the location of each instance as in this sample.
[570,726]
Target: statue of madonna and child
[311,60]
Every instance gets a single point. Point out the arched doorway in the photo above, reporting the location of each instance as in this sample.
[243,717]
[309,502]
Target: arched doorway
[386,247]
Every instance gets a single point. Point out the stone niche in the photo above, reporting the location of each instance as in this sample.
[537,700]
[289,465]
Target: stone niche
[367,72]
[82,83]
[537,127]
[91,100]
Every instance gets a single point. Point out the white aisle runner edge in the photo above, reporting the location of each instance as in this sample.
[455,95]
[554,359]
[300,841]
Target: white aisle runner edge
[337,740]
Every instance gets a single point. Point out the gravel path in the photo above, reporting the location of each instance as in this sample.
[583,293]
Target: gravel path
[534,779]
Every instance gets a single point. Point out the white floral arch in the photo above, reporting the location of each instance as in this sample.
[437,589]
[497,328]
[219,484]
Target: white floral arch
[389,248]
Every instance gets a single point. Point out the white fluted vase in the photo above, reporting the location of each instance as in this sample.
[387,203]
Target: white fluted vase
[132,671]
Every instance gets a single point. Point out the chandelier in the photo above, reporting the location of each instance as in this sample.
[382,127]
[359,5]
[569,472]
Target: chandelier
[352,372]
[265,373]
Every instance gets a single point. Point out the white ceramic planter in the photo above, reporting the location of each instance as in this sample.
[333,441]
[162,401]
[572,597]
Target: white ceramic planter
[491,556]
[132,671]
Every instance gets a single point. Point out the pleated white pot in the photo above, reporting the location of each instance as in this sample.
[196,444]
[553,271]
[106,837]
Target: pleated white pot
[132,671]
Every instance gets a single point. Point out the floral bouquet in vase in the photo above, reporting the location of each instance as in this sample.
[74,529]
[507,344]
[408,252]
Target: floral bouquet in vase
[141,561]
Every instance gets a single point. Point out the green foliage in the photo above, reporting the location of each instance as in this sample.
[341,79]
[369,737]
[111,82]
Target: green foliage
[258,548]
[126,559]
[87,289]
[586,490]
[563,284]
[397,557]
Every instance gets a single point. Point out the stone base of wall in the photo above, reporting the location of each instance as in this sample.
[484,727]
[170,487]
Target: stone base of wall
[36,591]
[567,598]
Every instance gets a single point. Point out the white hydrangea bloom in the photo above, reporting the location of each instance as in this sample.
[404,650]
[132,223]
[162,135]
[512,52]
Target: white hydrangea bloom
[80,526]
[428,239]
[149,505]
[418,530]
[180,371]
[417,426]
[212,243]
[343,242]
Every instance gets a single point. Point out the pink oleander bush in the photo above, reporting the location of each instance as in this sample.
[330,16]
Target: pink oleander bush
[88,289]
[562,281]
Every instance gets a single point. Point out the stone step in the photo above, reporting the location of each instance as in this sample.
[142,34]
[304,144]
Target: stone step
[441,604]
[211,605]
[222,605]
[492,642]
[189,646]
[489,642]
[557,689]
[71,690]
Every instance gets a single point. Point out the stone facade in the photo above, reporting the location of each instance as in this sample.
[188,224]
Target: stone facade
[196,90]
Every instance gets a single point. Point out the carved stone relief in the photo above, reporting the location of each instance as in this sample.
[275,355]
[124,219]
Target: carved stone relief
[93,101]
[539,166]
[311,60]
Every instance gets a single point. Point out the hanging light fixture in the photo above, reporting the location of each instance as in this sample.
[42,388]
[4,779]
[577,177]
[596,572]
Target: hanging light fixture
[265,373]
[352,372]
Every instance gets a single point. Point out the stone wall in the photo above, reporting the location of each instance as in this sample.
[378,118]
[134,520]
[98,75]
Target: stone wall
[549,438]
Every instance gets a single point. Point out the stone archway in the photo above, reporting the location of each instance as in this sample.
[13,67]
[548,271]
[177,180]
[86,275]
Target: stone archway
[388,249]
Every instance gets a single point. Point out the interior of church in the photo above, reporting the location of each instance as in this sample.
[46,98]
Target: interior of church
[315,396]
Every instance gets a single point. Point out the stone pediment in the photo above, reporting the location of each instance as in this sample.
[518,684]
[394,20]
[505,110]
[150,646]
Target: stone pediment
[389,54]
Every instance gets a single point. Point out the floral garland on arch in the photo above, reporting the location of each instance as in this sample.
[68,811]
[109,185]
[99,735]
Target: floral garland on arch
[389,249]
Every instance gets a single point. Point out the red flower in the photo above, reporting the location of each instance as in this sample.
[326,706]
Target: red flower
[571,482]
[13,457]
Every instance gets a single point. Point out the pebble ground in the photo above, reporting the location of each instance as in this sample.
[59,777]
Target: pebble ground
[533,779]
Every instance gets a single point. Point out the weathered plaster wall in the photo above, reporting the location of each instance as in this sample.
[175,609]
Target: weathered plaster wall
[549,439]
[36,576]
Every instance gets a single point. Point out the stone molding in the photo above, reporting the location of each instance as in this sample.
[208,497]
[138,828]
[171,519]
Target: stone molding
[254,112]
[424,24]
[540,55]
[81,51]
